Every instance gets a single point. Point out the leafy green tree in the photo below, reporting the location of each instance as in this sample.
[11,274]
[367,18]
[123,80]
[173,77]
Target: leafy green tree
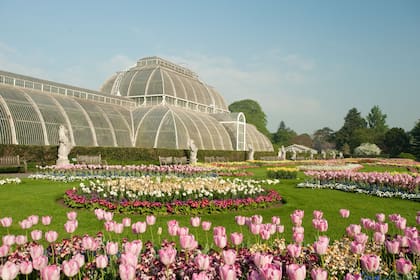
[322,139]
[396,141]
[415,141]
[283,135]
[302,139]
[351,132]
[253,114]
[377,125]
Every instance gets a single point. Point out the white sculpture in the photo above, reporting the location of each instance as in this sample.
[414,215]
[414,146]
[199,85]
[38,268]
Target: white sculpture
[333,154]
[279,154]
[64,146]
[250,154]
[283,153]
[293,154]
[311,155]
[340,155]
[193,151]
[324,154]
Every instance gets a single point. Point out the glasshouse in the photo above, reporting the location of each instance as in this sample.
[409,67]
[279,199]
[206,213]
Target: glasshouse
[154,104]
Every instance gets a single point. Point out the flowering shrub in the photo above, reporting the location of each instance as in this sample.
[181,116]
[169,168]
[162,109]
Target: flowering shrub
[172,195]
[367,149]
[367,251]
[282,173]
[382,181]
[4,181]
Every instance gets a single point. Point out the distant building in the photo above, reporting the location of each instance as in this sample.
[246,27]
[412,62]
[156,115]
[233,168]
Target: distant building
[154,104]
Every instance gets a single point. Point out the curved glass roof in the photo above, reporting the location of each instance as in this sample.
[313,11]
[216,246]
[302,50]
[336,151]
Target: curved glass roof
[154,76]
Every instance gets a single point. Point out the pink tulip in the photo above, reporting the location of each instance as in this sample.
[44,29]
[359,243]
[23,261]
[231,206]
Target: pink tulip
[296,271]
[350,276]
[370,263]
[195,221]
[260,259]
[129,259]
[296,219]
[319,274]
[265,234]
[240,220]
[380,217]
[36,251]
[80,259]
[411,232]
[70,268]
[150,220]
[229,256]
[25,224]
[46,220]
[299,213]
[227,272]
[112,248]
[344,213]
[275,220]
[4,250]
[6,222]
[220,241]
[381,227]
[108,216]
[99,213]
[183,231]
[21,239]
[187,242]
[357,248]
[89,243]
[72,215]
[403,266]
[200,276]
[379,238]
[321,247]
[353,229]
[236,238]
[25,267]
[119,228]
[127,222]
[101,261]
[34,219]
[9,271]
[127,272]
[139,227]
[70,226]
[206,226]
[36,235]
[361,238]
[51,236]
[414,245]
[219,230]
[167,255]
[418,220]
[317,214]
[9,240]
[403,240]
[392,246]
[280,228]
[50,272]
[202,261]
[40,262]
[298,237]
[255,228]
[133,247]
[401,223]
[294,250]
[271,272]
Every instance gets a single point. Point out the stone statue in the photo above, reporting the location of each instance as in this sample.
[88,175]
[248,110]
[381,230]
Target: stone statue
[283,153]
[250,154]
[333,155]
[311,156]
[193,151]
[323,154]
[279,154]
[340,155]
[293,154]
[64,146]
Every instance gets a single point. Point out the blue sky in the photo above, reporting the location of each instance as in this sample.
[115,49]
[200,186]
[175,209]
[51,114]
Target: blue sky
[306,62]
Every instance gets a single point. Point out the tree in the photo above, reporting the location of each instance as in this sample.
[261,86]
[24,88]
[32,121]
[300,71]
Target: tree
[253,114]
[302,139]
[377,125]
[283,135]
[323,139]
[415,142]
[396,141]
[350,133]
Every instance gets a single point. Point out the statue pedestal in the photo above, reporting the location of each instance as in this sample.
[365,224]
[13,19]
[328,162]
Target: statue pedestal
[62,161]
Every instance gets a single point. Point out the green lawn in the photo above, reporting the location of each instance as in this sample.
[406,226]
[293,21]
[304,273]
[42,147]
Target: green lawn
[44,198]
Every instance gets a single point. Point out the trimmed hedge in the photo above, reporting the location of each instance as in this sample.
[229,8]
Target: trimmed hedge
[47,155]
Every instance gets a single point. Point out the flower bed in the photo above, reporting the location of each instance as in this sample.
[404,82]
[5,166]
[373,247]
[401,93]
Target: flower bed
[172,195]
[367,251]
[282,173]
[331,167]
[4,181]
